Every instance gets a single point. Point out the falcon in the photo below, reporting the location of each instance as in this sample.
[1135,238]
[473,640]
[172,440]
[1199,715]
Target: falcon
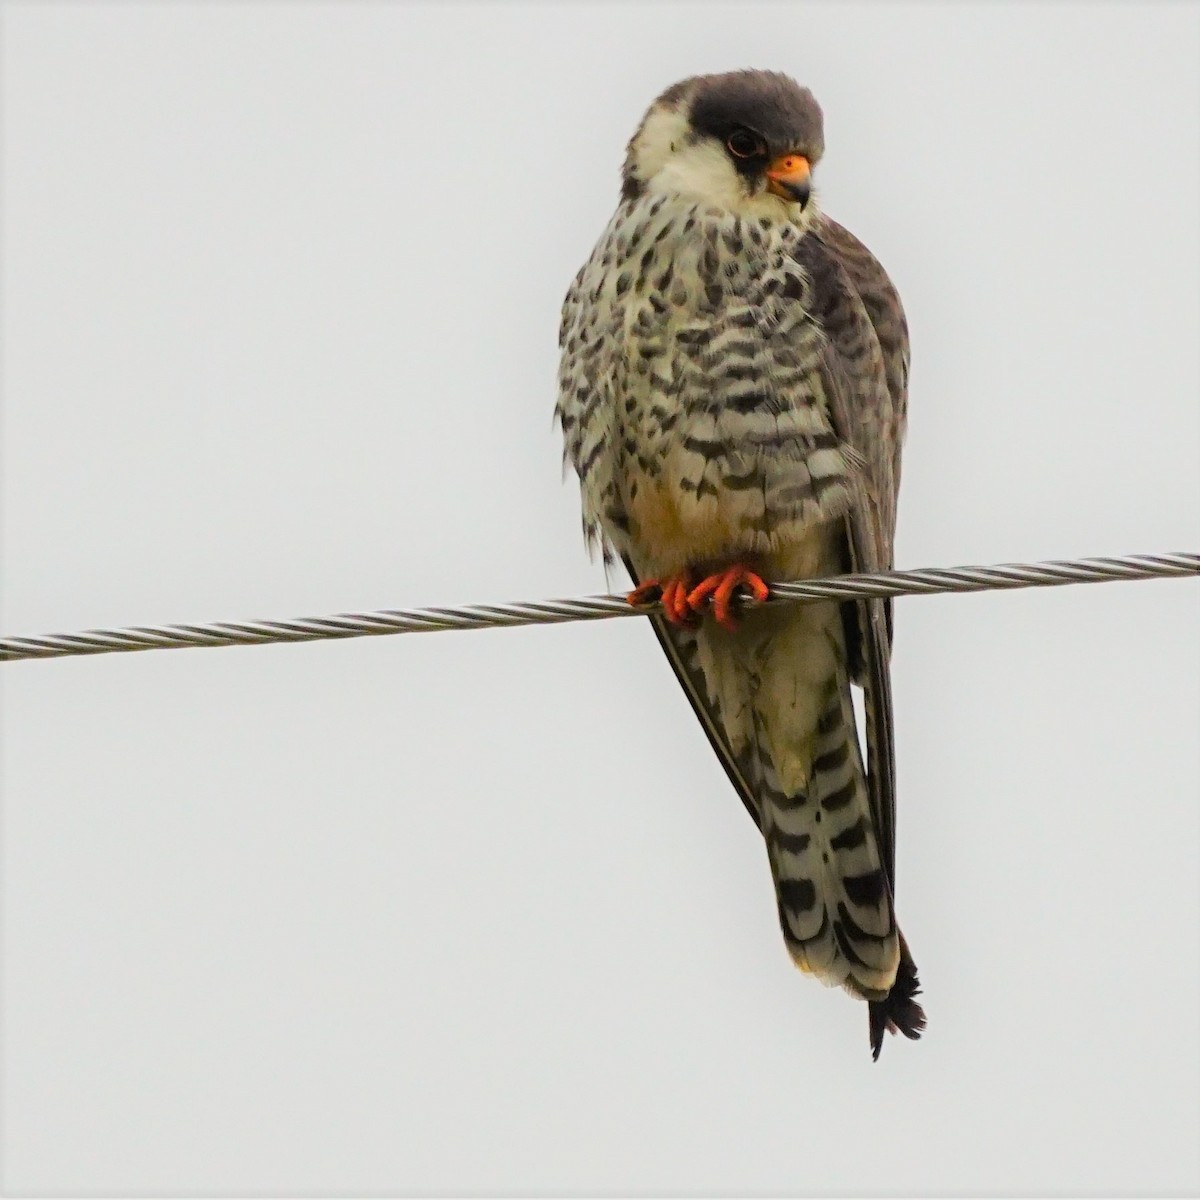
[732,395]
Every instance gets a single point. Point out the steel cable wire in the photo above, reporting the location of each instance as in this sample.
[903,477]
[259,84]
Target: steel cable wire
[930,581]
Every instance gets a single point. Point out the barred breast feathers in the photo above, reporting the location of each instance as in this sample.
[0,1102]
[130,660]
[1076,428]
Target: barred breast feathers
[690,389]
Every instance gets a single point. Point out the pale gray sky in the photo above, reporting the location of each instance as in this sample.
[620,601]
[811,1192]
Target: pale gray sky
[480,911]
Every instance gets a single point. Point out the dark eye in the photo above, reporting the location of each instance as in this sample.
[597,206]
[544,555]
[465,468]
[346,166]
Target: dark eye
[742,143]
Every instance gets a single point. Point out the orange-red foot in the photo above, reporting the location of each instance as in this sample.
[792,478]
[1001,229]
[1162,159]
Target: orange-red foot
[672,592]
[721,588]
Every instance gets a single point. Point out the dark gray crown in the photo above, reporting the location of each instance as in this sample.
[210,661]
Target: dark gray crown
[769,103]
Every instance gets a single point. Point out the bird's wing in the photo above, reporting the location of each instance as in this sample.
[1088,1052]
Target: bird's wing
[863,318]
[865,368]
[679,645]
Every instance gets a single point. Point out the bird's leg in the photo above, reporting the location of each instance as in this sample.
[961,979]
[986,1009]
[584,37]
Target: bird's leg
[721,587]
[672,591]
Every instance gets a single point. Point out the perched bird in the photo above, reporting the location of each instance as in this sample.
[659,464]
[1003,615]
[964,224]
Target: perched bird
[732,395]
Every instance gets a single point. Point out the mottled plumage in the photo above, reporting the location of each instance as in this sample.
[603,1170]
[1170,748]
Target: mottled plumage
[732,391]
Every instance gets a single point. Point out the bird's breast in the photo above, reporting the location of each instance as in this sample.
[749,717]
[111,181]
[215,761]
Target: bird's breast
[697,422]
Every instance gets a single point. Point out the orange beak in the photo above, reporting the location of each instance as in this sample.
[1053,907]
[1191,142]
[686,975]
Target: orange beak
[788,176]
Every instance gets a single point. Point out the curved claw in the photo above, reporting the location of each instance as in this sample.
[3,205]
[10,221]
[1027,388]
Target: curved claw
[721,588]
[672,593]
[647,593]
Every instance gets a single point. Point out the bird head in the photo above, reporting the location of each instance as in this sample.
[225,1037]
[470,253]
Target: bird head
[746,141]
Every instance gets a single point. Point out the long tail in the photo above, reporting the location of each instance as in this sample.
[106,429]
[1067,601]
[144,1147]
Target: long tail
[776,698]
[835,906]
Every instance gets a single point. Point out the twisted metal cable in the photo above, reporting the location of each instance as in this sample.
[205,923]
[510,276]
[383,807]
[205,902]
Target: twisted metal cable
[926,582]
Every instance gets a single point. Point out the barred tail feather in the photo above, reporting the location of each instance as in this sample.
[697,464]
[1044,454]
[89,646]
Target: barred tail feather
[835,905]
[775,702]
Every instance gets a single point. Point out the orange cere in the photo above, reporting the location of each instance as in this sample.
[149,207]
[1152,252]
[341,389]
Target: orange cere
[789,168]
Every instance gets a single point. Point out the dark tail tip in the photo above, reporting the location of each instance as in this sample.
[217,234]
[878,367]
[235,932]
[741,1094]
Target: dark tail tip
[899,1012]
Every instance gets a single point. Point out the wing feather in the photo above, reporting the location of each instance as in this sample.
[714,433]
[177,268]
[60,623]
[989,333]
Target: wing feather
[865,369]
[679,646]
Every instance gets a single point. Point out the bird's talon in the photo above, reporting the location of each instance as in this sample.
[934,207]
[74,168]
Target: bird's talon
[720,588]
[648,593]
[672,593]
